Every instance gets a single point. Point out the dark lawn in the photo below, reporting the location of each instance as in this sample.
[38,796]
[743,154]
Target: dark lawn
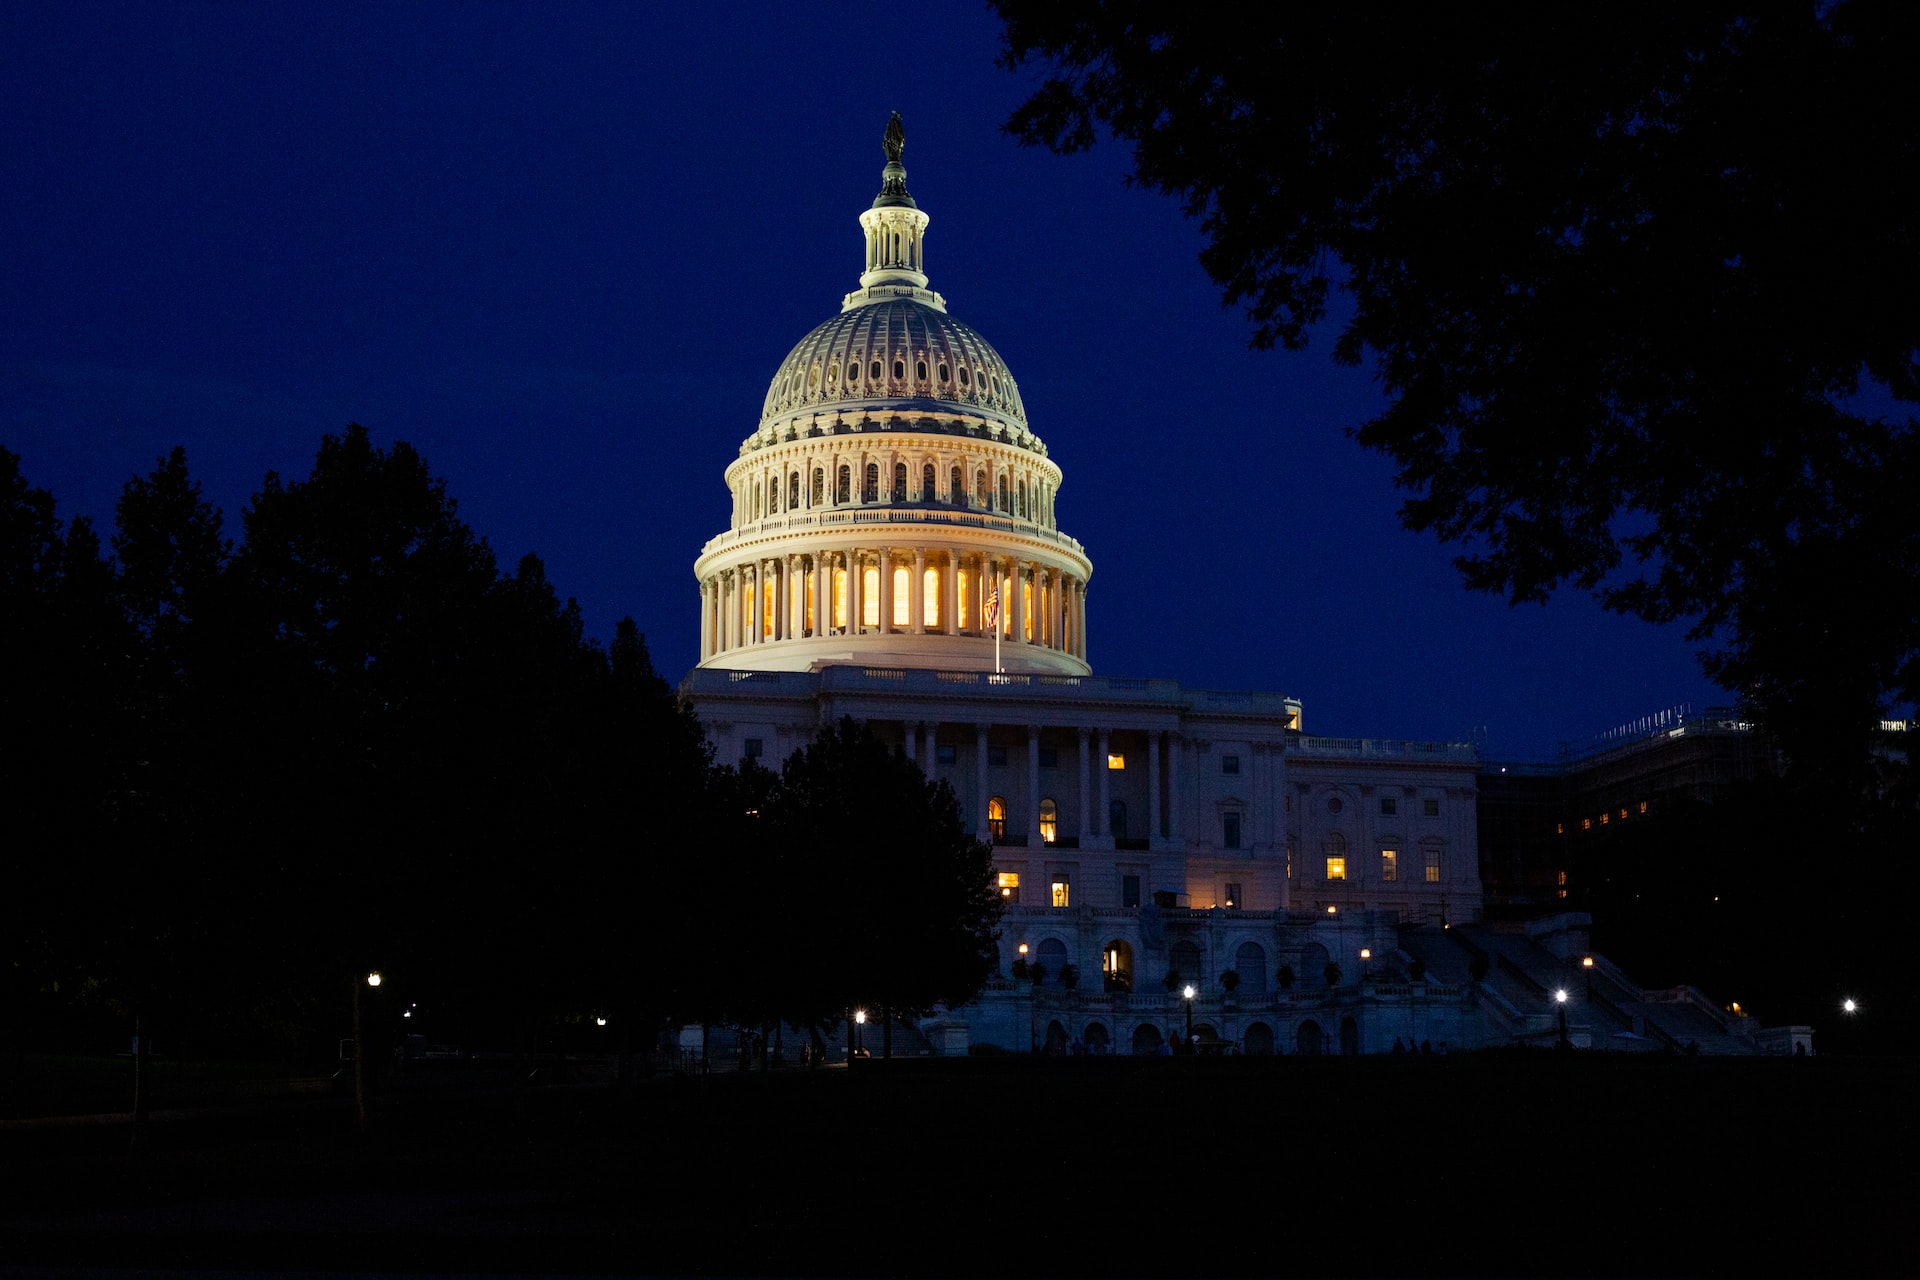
[1471,1164]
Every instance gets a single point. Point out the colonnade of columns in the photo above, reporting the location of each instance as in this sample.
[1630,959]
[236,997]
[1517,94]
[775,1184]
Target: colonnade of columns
[800,595]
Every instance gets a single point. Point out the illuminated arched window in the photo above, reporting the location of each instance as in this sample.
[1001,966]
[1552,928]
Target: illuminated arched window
[927,486]
[902,612]
[870,597]
[980,488]
[1026,590]
[819,486]
[1336,856]
[997,820]
[963,581]
[899,482]
[844,485]
[930,598]
[1049,821]
[839,597]
[871,493]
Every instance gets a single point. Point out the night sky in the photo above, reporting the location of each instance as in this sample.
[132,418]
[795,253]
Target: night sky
[562,249]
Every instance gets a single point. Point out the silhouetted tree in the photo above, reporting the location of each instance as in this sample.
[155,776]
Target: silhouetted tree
[1621,270]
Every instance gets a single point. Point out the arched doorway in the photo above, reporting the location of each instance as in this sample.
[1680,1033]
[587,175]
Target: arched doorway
[1250,962]
[1349,1036]
[1146,1040]
[1309,1039]
[1116,965]
[1096,1038]
[1258,1040]
[1056,1040]
[1053,956]
[1183,957]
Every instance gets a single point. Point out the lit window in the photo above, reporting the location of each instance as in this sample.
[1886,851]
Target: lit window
[1390,864]
[997,819]
[1230,830]
[1643,806]
[1229,764]
[930,598]
[870,597]
[964,582]
[1433,864]
[1559,828]
[1060,893]
[901,603]
[754,749]
[1586,824]
[1431,808]
[1010,886]
[1233,897]
[1389,806]
[1559,877]
[839,597]
[1116,761]
[1623,815]
[1049,821]
[1336,868]
[1604,817]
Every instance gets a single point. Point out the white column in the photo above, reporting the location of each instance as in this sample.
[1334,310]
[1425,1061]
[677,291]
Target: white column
[1100,810]
[1174,783]
[1080,621]
[856,587]
[1019,610]
[706,619]
[984,831]
[1033,786]
[1153,785]
[1086,786]
[917,593]
[950,588]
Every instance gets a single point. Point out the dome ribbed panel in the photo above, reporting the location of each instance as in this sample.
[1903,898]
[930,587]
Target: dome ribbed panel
[815,373]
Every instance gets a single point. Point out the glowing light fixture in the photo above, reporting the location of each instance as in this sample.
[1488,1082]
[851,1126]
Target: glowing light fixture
[1366,953]
[1560,995]
[860,1016]
[1586,962]
[1848,1006]
[1023,948]
[373,979]
[1187,991]
[599,1022]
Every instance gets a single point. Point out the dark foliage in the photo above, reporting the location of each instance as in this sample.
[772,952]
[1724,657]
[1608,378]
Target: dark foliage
[1624,272]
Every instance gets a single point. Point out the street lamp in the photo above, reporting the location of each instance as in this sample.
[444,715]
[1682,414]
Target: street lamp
[859,1021]
[1187,991]
[373,978]
[1848,1006]
[1366,954]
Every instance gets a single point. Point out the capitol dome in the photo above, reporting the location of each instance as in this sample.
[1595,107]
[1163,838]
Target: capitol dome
[893,507]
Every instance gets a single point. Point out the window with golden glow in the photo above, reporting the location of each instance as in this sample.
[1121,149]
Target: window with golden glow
[964,581]
[1010,886]
[902,605]
[1389,864]
[930,598]
[1049,820]
[870,597]
[1433,863]
[1115,760]
[1336,868]
[1026,592]
[766,608]
[1006,607]
[1643,806]
[812,606]
[839,597]
[997,819]
[1060,893]
[1231,898]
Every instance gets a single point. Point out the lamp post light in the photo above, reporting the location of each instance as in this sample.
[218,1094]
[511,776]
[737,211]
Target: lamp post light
[1187,991]
[859,1021]
[360,1053]
[1366,967]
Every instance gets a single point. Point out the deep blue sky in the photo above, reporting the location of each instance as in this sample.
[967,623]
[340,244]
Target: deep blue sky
[562,249]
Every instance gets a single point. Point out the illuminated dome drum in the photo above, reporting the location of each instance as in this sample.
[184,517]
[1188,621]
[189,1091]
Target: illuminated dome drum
[893,508]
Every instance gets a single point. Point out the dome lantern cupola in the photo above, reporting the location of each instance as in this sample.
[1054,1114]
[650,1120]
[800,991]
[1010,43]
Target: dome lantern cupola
[893,508]
[896,235]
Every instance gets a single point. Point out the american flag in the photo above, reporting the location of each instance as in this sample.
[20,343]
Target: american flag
[993,608]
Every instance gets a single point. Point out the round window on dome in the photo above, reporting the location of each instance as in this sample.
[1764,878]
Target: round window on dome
[943,374]
[899,368]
